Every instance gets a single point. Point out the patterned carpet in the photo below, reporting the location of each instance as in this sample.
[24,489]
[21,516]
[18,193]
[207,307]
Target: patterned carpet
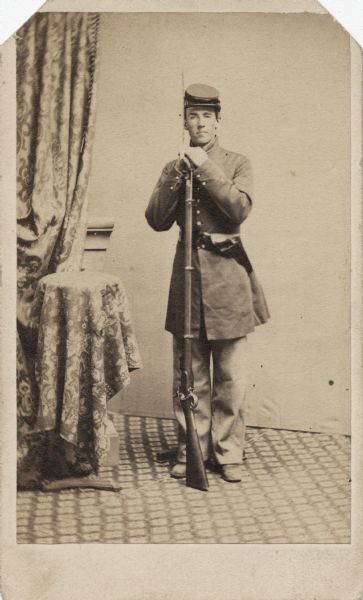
[295,489]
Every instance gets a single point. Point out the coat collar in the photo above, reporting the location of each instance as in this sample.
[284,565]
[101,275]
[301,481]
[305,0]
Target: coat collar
[211,146]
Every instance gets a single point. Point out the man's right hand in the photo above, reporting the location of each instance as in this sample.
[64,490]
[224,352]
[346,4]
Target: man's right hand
[183,165]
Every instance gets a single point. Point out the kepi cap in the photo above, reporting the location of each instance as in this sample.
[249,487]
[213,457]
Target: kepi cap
[199,94]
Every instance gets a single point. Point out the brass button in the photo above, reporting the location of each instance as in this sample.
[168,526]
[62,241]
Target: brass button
[199,222]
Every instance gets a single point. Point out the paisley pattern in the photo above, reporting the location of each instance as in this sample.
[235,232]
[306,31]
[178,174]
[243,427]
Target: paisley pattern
[86,350]
[56,70]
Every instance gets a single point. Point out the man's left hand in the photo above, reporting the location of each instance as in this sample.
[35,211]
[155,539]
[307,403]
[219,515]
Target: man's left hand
[196,155]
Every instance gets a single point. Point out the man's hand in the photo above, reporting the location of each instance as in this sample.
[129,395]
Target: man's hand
[196,155]
[183,166]
[193,156]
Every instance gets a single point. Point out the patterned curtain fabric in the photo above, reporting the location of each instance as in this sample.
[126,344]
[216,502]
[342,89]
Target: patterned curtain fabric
[56,70]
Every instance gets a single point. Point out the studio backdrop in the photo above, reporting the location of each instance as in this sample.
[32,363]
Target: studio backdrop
[284,82]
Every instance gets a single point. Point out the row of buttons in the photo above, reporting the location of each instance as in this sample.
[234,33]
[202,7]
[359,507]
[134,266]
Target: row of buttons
[198,212]
[199,223]
[203,182]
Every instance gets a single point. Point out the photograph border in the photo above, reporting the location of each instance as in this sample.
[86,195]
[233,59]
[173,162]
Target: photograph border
[173,571]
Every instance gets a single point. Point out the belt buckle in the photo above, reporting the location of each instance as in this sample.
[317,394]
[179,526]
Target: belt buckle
[202,240]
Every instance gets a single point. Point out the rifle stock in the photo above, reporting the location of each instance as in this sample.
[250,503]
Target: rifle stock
[196,476]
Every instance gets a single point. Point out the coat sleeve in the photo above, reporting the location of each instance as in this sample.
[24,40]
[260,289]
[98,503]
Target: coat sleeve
[233,197]
[162,207]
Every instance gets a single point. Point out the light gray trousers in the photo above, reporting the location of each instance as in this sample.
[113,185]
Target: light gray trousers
[220,383]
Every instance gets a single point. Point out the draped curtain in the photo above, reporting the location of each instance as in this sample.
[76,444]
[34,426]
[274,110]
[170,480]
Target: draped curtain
[56,71]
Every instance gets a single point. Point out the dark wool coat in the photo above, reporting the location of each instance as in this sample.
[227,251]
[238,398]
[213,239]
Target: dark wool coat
[231,301]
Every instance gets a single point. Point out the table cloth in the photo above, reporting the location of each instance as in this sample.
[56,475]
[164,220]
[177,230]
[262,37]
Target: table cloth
[86,351]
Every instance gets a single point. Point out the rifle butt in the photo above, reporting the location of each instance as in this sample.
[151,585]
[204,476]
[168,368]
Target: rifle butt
[196,476]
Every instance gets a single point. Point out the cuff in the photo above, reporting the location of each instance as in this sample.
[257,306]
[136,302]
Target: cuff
[209,171]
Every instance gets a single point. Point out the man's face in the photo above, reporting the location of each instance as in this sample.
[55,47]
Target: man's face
[201,123]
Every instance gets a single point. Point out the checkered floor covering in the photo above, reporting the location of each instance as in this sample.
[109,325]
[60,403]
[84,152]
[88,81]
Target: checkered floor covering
[295,489]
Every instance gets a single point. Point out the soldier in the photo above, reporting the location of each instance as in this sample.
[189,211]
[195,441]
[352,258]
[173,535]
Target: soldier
[227,301]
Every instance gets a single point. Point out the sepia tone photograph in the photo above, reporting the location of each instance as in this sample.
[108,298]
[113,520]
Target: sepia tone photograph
[184,277]
[183,312]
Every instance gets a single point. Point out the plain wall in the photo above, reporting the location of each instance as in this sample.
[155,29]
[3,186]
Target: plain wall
[285,91]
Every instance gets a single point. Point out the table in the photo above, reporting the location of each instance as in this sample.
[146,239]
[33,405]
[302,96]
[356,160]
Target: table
[86,351]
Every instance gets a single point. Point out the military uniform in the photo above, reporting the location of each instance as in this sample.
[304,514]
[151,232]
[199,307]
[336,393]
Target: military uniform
[232,301]
[227,300]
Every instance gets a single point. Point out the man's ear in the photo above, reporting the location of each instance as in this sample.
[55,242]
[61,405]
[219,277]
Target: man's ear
[185,125]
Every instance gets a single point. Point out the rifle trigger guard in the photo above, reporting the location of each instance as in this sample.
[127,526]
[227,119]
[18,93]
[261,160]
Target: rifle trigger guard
[190,397]
[193,400]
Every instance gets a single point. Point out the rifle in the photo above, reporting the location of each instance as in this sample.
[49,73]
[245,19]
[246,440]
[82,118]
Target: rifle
[196,476]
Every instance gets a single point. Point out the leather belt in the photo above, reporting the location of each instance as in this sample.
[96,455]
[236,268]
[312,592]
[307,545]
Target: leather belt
[230,246]
[215,237]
